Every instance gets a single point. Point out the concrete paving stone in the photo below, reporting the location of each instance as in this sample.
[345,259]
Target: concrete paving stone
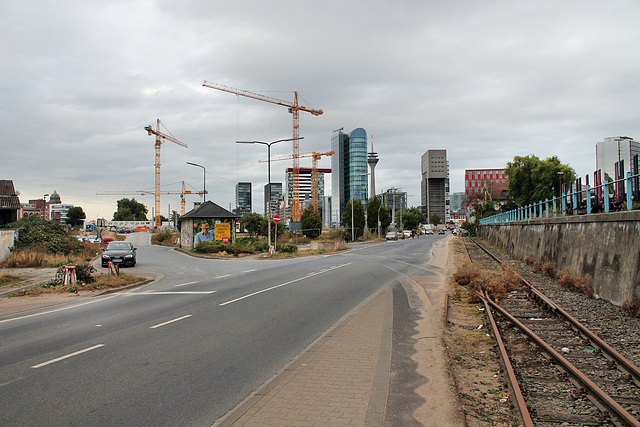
[333,382]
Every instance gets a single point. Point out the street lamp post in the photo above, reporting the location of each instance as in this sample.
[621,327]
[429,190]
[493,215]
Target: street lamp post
[352,221]
[269,144]
[204,180]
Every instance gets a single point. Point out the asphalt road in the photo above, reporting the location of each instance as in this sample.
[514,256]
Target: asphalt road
[187,348]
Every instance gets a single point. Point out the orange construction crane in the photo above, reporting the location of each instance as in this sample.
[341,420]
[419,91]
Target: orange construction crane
[314,170]
[159,137]
[294,108]
[146,193]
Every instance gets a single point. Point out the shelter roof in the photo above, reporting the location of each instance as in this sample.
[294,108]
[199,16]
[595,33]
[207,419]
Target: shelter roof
[208,210]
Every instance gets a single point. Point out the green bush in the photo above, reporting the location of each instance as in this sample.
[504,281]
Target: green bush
[287,248]
[161,238]
[209,247]
[34,232]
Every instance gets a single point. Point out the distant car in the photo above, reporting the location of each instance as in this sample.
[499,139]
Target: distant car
[428,232]
[391,235]
[407,234]
[122,253]
[107,239]
[92,238]
[81,238]
[441,231]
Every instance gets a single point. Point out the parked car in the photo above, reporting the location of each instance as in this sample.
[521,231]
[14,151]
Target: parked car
[391,235]
[441,231]
[122,253]
[407,234]
[92,238]
[107,239]
[428,232]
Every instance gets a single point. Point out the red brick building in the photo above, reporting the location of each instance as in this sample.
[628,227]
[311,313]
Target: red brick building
[481,181]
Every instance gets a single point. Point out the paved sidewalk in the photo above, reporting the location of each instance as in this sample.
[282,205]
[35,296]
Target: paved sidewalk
[341,380]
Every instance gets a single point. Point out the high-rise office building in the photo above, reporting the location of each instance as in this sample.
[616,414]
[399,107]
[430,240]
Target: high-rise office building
[305,190]
[348,170]
[394,199]
[276,194]
[434,186]
[614,149]
[243,198]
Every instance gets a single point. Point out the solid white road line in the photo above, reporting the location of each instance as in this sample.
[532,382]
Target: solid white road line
[99,299]
[281,285]
[221,277]
[171,321]
[185,284]
[172,293]
[249,271]
[67,356]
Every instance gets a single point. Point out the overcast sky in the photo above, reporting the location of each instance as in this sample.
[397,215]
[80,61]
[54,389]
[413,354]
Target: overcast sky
[484,80]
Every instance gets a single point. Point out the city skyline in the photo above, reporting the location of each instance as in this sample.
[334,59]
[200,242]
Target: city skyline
[485,81]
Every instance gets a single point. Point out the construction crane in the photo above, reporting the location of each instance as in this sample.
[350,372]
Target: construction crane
[146,193]
[294,109]
[159,137]
[314,170]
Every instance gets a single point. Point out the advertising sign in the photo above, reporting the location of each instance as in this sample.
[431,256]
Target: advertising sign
[223,231]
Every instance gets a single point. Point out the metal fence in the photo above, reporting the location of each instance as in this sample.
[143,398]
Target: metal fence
[604,196]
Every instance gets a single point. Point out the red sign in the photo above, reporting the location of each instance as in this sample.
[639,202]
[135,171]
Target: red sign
[276,218]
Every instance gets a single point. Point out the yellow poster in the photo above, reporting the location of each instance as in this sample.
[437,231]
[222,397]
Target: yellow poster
[223,231]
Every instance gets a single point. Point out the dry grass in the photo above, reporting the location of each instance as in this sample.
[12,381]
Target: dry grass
[569,280]
[496,285]
[39,258]
[632,306]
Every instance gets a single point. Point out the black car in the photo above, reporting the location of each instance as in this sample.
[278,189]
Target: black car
[122,253]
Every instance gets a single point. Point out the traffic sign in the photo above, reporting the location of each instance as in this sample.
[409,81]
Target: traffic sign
[276,218]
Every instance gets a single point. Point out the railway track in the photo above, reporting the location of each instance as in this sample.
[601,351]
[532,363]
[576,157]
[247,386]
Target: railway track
[559,372]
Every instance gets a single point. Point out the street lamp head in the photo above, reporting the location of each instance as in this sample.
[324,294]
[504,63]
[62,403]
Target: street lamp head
[269,143]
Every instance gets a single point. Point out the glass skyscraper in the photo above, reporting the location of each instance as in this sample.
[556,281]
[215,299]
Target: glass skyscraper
[349,170]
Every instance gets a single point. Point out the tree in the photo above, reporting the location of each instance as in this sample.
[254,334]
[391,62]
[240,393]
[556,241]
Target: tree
[373,208]
[358,218]
[532,180]
[311,222]
[412,218]
[75,216]
[252,222]
[130,210]
[434,219]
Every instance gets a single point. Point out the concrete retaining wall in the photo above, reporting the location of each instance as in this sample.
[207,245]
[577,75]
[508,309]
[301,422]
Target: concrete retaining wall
[605,247]
[327,246]
[7,238]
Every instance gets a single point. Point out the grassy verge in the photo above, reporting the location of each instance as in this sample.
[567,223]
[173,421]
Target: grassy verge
[8,280]
[100,282]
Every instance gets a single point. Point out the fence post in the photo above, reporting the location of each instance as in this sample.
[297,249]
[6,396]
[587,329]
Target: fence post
[605,191]
[564,204]
[574,201]
[546,207]
[554,201]
[588,199]
[629,203]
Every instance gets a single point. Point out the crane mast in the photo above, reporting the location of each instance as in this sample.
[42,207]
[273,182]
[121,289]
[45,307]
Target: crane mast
[159,137]
[294,108]
[314,170]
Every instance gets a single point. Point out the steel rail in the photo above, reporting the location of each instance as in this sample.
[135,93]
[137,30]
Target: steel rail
[602,400]
[512,380]
[623,364]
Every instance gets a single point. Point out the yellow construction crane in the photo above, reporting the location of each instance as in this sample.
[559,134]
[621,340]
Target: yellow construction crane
[314,170]
[146,193]
[294,108]
[159,137]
